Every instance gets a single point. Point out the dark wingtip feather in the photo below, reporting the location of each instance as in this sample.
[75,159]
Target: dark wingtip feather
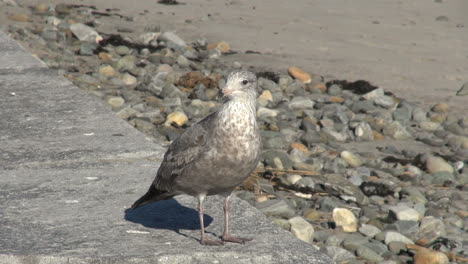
[152,195]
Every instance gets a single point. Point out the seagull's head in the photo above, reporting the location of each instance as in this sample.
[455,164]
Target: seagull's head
[240,84]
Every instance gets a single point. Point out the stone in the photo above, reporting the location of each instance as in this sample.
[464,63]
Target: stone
[299,74]
[129,79]
[263,112]
[302,229]
[419,115]
[396,131]
[442,177]
[127,112]
[122,50]
[223,46]
[372,95]
[126,63]
[463,90]
[283,223]
[104,56]
[441,108]
[334,89]
[363,131]
[402,212]
[437,164]
[172,40]
[85,33]
[299,102]
[19,17]
[430,229]
[277,159]
[116,101]
[367,253]
[429,126]
[369,230]
[392,236]
[87,48]
[404,227]
[293,178]
[337,254]
[149,38]
[276,207]
[397,247]
[299,146]
[178,118]
[426,256]
[402,114]
[353,241]
[312,215]
[345,218]
[183,61]
[107,71]
[385,101]
[351,158]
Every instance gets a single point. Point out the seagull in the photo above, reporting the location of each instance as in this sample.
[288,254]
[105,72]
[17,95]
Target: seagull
[213,156]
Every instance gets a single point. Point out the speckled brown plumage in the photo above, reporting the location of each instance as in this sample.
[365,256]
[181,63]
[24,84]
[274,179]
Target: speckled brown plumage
[214,155]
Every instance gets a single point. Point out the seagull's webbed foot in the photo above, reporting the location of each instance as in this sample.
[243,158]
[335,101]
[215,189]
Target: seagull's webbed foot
[209,242]
[233,239]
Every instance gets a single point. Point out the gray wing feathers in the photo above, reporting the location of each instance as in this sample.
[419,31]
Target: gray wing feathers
[182,152]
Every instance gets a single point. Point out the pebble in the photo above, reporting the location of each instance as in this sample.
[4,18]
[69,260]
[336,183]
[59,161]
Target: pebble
[396,131]
[116,101]
[299,102]
[299,74]
[107,71]
[223,46]
[293,178]
[276,207]
[391,236]
[351,158]
[337,254]
[364,131]
[19,17]
[345,218]
[402,212]
[369,230]
[173,41]
[429,126]
[426,256]
[440,108]
[122,50]
[430,229]
[178,118]
[437,164]
[85,33]
[369,254]
[129,79]
[302,229]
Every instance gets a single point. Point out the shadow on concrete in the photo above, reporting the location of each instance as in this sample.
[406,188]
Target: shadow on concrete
[168,214]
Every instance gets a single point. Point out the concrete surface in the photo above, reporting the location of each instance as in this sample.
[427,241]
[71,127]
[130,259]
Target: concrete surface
[69,170]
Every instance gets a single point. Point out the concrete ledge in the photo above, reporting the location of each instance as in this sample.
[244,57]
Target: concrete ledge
[69,170]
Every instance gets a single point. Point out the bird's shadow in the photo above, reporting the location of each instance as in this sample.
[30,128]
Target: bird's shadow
[168,214]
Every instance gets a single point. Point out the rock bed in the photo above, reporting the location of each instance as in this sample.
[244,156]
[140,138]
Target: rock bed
[339,168]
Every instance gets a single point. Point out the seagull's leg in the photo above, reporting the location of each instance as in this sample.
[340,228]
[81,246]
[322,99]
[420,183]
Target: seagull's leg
[203,239]
[226,236]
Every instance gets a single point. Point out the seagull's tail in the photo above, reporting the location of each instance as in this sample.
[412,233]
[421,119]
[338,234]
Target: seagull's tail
[152,195]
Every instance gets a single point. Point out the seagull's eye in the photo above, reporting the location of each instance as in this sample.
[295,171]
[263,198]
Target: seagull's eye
[244,82]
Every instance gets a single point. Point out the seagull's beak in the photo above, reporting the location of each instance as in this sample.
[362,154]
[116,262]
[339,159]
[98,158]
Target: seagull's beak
[227,91]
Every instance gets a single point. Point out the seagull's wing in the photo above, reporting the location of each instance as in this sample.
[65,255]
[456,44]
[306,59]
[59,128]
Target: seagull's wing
[184,150]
